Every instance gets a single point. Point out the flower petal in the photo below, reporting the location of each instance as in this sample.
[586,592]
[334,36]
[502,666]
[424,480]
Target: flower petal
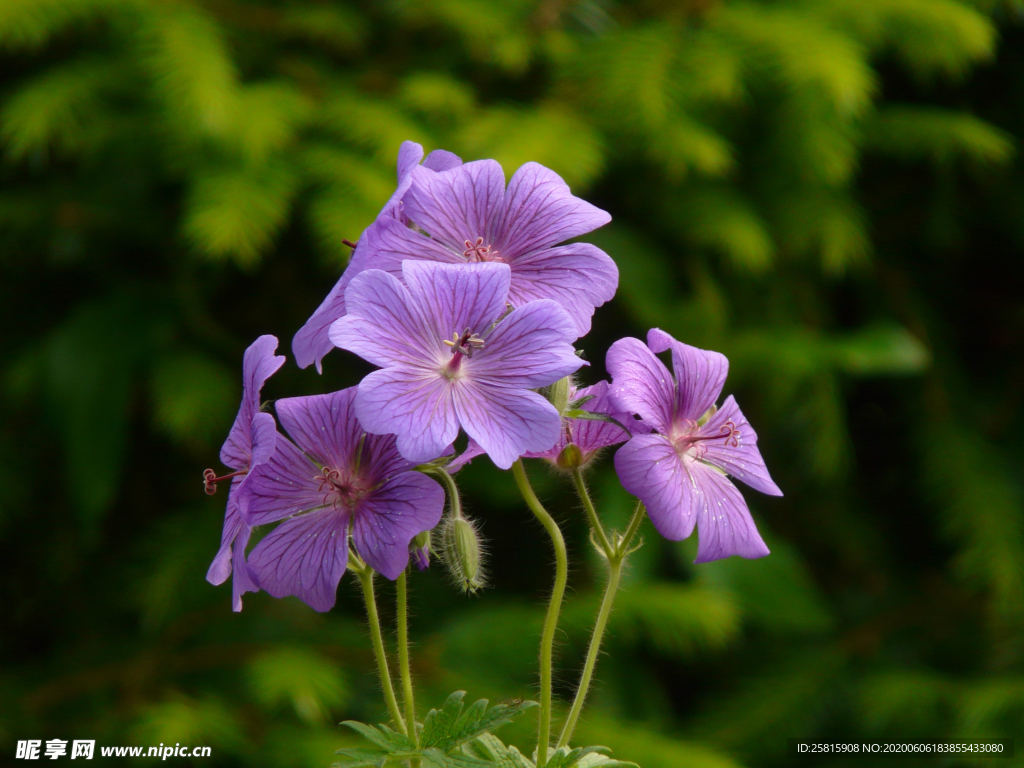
[641,383]
[244,580]
[305,556]
[323,426]
[506,423]
[282,487]
[650,469]
[590,435]
[457,296]
[383,325]
[388,519]
[472,450]
[540,211]
[700,374]
[374,250]
[724,524]
[442,160]
[579,276]
[264,438]
[258,365]
[742,461]
[531,347]
[457,205]
[416,407]
[220,568]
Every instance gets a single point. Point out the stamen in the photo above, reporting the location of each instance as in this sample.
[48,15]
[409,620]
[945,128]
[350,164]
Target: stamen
[731,433]
[478,251]
[210,479]
[349,243]
[465,344]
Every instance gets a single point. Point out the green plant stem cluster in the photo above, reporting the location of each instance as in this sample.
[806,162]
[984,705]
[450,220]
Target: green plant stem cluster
[615,550]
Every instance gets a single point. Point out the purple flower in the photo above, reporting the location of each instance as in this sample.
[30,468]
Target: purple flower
[450,358]
[679,471]
[311,342]
[588,436]
[250,443]
[335,479]
[465,215]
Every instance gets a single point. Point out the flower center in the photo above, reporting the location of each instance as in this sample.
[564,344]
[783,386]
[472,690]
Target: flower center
[479,252]
[690,443]
[463,345]
[338,491]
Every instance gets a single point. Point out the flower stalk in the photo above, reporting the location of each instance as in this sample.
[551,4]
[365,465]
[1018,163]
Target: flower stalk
[402,611]
[616,555]
[547,640]
[366,575]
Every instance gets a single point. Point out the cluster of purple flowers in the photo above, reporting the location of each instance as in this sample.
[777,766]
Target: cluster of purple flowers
[462,295]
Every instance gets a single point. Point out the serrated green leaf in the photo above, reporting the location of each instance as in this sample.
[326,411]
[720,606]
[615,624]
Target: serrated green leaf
[383,736]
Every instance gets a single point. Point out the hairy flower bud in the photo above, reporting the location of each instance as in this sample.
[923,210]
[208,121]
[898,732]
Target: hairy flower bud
[462,553]
[571,457]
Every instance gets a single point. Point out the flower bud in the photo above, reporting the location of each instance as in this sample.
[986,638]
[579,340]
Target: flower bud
[558,394]
[420,550]
[462,553]
[571,457]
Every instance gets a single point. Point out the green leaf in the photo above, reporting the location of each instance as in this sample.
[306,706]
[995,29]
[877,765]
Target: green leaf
[449,728]
[58,109]
[939,135]
[234,213]
[383,736]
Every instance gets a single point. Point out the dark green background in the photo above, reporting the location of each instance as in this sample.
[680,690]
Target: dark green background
[828,191]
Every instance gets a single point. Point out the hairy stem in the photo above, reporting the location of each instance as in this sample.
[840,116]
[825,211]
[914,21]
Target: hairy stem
[402,606]
[616,557]
[366,577]
[614,572]
[547,640]
[588,505]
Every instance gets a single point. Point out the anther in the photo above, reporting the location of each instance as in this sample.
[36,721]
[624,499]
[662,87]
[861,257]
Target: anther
[349,243]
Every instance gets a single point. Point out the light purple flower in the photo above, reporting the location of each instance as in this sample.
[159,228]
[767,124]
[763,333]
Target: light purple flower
[311,342]
[679,471]
[588,435]
[250,443]
[466,215]
[335,479]
[450,358]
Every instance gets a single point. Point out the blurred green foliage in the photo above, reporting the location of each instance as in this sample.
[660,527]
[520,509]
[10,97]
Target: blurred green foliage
[825,190]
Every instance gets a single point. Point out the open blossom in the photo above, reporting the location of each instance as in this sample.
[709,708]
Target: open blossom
[311,343]
[580,439]
[333,480]
[679,471]
[250,443]
[451,357]
[466,215]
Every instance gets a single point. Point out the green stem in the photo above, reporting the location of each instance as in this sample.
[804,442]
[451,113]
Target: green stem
[616,558]
[402,605]
[614,572]
[453,490]
[547,640]
[366,577]
[588,505]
